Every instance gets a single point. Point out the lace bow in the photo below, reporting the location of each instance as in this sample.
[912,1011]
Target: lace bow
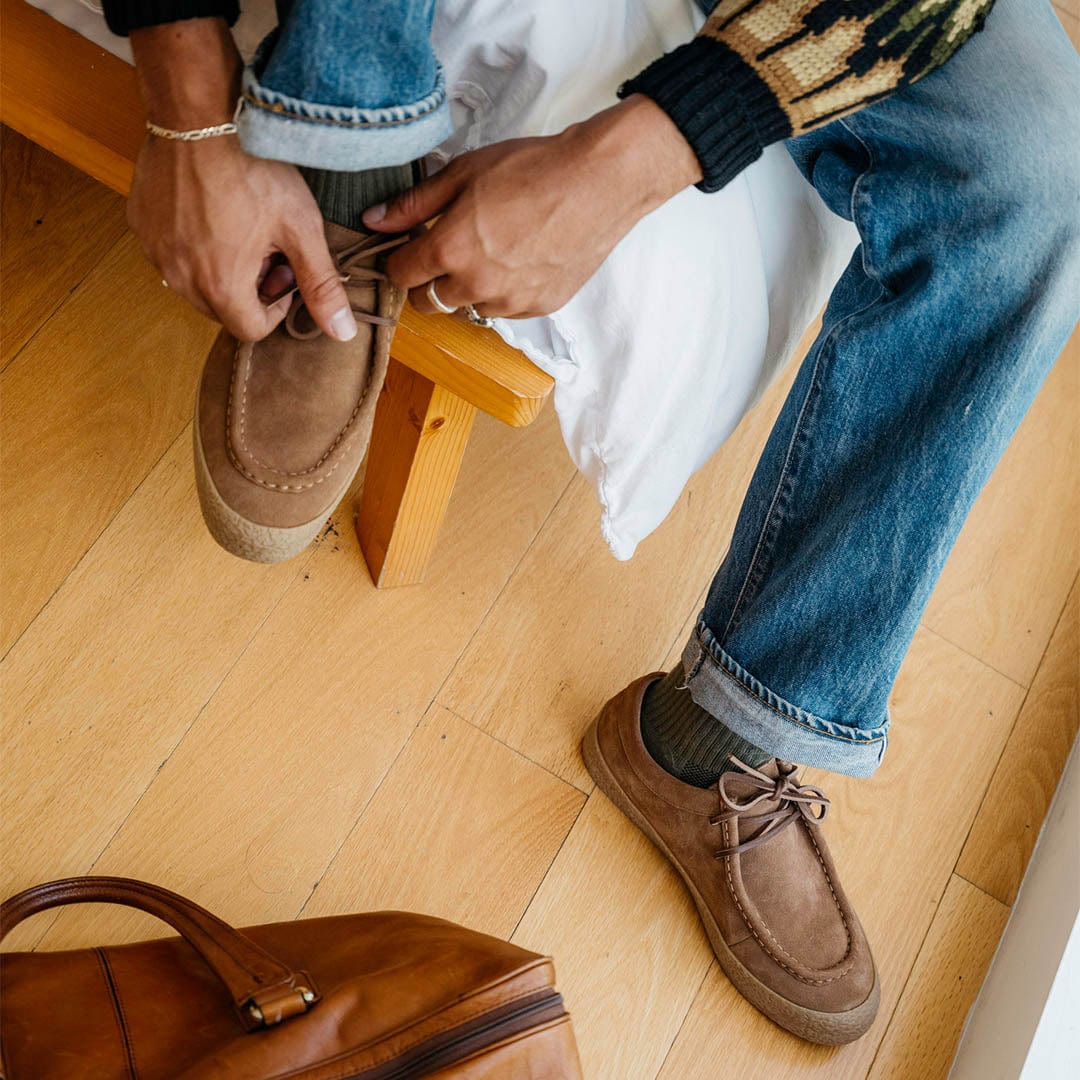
[795,801]
[353,266]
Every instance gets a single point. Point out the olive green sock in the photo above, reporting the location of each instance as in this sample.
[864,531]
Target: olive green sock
[684,739]
[344,196]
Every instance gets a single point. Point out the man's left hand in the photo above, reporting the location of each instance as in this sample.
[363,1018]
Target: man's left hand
[524,224]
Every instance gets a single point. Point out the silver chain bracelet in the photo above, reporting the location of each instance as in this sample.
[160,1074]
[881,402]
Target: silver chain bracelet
[194,135]
[197,134]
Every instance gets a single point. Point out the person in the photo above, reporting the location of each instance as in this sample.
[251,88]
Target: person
[954,154]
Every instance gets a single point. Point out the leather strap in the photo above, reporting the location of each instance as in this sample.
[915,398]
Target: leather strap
[263,989]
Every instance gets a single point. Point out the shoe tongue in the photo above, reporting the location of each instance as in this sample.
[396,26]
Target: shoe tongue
[338,237]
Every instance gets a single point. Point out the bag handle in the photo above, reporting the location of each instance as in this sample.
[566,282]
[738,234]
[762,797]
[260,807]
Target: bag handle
[263,989]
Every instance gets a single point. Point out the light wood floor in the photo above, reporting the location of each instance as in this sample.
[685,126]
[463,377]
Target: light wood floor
[288,741]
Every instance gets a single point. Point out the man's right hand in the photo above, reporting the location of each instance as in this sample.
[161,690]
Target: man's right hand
[215,220]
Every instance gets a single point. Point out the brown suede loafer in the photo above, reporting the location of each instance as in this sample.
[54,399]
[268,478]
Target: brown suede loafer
[750,851]
[282,424]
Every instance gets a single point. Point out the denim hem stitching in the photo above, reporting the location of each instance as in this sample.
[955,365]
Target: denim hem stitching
[289,108]
[708,645]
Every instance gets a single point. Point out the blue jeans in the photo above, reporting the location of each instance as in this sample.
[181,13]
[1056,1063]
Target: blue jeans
[964,188]
[346,84]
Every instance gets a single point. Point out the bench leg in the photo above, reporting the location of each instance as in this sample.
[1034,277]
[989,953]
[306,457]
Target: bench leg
[417,444]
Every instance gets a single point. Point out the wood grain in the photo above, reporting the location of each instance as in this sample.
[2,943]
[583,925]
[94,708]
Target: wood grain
[628,947]
[88,407]
[104,683]
[1007,825]
[475,364]
[1072,27]
[895,845]
[462,828]
[68,95]
[952,963]
[275,769]
[574,626]
[417,443]
[55,225]
[1001,590]
[1068,11]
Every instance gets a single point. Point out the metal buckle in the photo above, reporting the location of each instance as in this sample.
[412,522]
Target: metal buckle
[257,1014]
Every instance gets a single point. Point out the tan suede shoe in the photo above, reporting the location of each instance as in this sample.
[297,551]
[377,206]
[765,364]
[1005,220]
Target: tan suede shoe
[282,424]
[751,852]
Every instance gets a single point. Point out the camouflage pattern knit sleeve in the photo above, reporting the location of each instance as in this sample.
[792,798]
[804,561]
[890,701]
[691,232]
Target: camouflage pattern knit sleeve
[764,70]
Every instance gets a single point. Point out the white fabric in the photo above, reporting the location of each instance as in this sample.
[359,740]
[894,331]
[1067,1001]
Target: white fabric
[661,353]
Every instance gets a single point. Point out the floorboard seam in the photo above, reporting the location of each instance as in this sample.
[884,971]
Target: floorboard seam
[93,543]
[1042,655]
[241,653]
[1009,735]
[515,751]
[436,697]
[686,1016]
[907,976]
[551,863]
[364,809]
[62,302]
[433,701]
[984,891]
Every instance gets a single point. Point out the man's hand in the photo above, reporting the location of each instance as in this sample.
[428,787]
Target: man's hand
[525,223]
[212,219]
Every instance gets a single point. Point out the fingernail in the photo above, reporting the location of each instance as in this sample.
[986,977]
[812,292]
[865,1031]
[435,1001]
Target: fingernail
[374,214]
[343,325]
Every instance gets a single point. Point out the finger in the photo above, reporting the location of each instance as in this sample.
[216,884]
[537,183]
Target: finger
[421,302]
[421,260]
[277,281]
[448,289]
[417,204]
[320,285]
[247,319]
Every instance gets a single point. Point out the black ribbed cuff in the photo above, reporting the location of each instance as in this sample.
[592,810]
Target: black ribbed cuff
[124,16]
[726,111]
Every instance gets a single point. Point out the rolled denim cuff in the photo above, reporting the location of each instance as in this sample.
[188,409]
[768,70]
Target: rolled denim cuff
[721,686]
[274,125]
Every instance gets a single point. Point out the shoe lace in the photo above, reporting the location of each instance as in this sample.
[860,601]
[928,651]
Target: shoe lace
[353,265]
[795,801]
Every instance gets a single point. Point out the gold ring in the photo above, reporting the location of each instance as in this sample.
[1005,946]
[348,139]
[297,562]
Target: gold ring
[433,296]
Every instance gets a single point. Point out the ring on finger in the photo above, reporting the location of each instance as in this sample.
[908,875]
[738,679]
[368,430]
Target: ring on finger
[433,296]
[476,318]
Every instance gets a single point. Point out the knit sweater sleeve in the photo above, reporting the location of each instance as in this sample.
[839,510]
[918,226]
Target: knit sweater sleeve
[124,16]
[764,70]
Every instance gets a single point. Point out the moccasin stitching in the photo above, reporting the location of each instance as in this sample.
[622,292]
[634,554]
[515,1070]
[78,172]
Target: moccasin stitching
[248,474]
[731,887]
[342,439]
[757,937]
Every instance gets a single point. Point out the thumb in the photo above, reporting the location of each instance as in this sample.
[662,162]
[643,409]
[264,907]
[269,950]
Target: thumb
[417,204]
[320,285]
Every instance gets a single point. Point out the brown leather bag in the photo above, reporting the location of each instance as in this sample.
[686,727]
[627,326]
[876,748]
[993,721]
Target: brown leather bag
[380,996]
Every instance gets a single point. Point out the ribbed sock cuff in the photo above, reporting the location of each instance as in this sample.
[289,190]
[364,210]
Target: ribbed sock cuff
[687,741]
[344,196]
[726,111]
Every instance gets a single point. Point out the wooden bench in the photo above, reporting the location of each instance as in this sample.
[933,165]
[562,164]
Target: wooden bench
[81,103]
